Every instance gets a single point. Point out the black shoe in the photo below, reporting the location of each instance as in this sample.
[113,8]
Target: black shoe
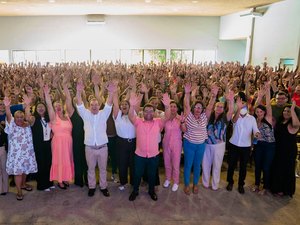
[153,196]
[229,187]
[105,192]
[91,192]
[3,193]
[62,187]
[133,195]
[241,190]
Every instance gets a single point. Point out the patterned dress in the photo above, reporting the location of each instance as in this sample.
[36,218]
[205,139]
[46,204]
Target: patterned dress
[20,157]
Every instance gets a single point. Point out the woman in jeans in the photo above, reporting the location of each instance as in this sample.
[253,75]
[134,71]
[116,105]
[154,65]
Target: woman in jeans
[195,134]
[265,147]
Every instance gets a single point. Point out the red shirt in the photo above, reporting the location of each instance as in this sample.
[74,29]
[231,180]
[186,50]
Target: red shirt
[296,98]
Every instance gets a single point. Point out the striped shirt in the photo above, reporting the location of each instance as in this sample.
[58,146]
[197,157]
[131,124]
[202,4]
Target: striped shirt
[196,131]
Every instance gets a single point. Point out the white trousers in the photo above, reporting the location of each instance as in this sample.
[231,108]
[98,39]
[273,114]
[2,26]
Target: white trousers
[213,157]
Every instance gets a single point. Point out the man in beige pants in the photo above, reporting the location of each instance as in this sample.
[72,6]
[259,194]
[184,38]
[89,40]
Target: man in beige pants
[95,137]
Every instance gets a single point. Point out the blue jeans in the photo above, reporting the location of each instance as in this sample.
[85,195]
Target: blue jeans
[263,157]
[193,155]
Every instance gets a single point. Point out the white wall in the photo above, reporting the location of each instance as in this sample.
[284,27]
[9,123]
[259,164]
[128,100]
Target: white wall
[119,32]
[277,33]
[233,26]
[232,50]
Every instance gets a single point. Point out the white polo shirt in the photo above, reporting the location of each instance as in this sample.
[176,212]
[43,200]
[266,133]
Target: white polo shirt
[94,125]
[243,130]
[124,127]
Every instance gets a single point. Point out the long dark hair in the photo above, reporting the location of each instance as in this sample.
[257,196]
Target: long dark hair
[213,119]
[36,114]
[281,119]
[263,108]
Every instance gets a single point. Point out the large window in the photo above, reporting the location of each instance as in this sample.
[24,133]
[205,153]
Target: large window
[105,55]
[185,56]
[128,56]
[155,55]
[131,56]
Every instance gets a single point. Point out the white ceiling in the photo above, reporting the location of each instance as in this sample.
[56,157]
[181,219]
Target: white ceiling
[127,7]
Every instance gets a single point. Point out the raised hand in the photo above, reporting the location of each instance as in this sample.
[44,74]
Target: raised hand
[144,88]
[188,88]
[133,100]
[293,106]
[166,99]
[46,89]
[80,86]
[230,95]
[26,99]
[239,103]
[182,117]
[6,101]
[111,87]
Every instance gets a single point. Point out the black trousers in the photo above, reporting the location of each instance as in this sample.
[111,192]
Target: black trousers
[236,153]
[125,156]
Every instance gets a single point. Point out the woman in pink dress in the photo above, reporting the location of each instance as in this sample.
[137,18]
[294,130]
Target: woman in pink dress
[172,145]
[62,168]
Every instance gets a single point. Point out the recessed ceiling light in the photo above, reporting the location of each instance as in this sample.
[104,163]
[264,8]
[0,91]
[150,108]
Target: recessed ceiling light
[3,2]
[51,1]
[194,2]
[148,1]
[99,1]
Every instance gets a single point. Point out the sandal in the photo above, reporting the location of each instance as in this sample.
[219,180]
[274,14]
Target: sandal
[27,188]
[19,197]
[187,190]
[195,189]
[254,188]
[262,192]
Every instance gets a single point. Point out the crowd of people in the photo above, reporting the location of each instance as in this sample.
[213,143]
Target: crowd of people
[62,121]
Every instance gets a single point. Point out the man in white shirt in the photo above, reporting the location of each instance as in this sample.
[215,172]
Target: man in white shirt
[95,137]
[244,125]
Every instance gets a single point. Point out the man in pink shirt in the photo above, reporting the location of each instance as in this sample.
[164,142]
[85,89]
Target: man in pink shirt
[147,151]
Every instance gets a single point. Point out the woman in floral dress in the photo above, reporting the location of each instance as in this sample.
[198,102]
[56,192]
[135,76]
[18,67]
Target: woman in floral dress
[20,158]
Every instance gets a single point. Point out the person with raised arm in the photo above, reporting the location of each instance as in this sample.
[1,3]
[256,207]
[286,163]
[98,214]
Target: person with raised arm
[195,134]
[148,129]
[95,137]
[20,158]
[62,168]
[215,143]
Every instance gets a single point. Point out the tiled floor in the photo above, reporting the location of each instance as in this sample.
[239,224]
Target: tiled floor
[73,206]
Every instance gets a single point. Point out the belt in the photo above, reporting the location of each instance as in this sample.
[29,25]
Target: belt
[97,147]
[128,139]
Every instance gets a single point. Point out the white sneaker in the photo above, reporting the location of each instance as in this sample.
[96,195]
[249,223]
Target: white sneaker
[296,175]
[166,184]
[121,187]
[47,189]
[175,187]
[52,187]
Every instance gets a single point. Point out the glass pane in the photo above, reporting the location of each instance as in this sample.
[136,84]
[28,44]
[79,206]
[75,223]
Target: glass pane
[30,56]
[187,56]
[204,56]
[4,56]
[131,56]
[77,55]
[18,56]
[51,56]
[156,55]
[176,55]
[105,55]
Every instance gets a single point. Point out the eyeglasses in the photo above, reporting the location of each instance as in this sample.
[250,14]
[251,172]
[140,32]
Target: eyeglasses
[281,98]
